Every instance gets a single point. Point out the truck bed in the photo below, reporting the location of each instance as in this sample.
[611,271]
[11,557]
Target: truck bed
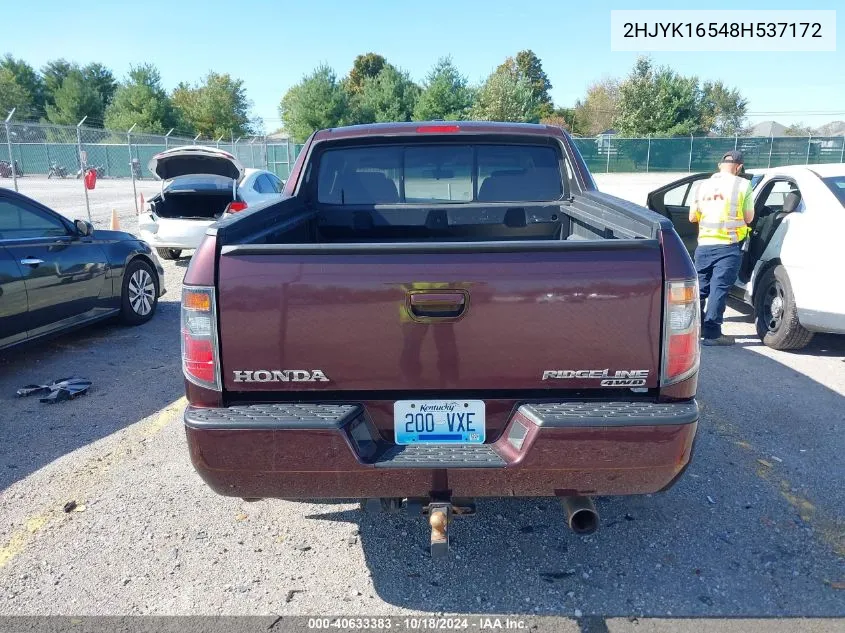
[585,216]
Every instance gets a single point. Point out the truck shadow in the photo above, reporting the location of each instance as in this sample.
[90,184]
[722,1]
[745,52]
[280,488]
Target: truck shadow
[135,372]
[825,345]
[821,345]
[740,535]
[668,554]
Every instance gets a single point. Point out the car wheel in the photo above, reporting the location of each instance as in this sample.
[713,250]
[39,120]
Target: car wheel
[776,314]
[169,253]
[139,296]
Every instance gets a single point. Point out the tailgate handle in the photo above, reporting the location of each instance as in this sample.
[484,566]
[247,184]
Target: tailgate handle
[438,305]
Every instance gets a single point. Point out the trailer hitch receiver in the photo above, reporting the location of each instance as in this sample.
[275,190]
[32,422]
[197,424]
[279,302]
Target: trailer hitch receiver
[439,517]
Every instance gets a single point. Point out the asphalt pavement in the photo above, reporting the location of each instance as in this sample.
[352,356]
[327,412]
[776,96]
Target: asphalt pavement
[755,529]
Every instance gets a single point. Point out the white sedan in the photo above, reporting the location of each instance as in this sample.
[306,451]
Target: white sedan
[792,266]
[199,185]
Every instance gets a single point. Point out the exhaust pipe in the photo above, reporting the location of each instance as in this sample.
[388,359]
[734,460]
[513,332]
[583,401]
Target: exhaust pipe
[581,514]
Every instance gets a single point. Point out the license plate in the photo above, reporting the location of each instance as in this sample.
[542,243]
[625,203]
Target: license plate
[439,422]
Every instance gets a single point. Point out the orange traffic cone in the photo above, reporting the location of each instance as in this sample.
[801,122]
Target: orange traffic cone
[115,222]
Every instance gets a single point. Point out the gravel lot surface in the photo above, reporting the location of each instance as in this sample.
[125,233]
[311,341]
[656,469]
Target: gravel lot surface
[67,196]
[756,528]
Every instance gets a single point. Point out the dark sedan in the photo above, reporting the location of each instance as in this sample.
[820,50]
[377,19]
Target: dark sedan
[56,274]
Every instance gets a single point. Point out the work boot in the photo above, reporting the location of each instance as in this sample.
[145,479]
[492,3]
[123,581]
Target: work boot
[722,341]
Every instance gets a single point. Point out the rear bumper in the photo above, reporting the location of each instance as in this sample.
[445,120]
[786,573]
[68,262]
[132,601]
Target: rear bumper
[180,243]
[333,451]
[184,234]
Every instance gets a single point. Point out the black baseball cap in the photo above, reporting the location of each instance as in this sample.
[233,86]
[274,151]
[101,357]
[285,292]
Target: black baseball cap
[733,156]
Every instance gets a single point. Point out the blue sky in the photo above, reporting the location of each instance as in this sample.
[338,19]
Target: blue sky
[272,44]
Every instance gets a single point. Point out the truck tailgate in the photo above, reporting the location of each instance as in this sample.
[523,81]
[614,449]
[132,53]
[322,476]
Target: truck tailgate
[519,316]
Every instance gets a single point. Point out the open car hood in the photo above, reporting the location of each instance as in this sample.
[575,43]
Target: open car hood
[195,159]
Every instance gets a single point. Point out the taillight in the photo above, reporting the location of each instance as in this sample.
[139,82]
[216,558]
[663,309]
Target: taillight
[236,206]
[200,355]
[681,327]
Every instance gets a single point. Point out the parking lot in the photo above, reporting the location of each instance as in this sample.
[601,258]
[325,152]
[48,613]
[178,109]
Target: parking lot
[755,529]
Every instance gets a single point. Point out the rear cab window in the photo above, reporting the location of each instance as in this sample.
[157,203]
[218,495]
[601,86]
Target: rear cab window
[439,173]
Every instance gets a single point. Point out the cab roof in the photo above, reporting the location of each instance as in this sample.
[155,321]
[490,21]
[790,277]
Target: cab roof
[420,128]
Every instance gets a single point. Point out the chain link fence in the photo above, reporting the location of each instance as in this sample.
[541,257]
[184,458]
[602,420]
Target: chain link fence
[611,154]
[54,151]
[57,151]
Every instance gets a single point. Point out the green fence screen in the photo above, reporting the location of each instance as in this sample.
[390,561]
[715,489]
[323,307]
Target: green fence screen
[611,154]
[38,146]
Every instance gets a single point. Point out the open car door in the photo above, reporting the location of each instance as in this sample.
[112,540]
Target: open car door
[674,200]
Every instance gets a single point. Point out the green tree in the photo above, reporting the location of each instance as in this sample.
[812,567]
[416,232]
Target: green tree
[224,100]
[365,66]
[659,102]
[446,94]
[185,98]
[74,99]
[315,103]
[389,96]
[102,79]
[26,78]
[722,109]
[599,109]
[141,101]
[505,96]
[531,68]
[54,73]
[14,95]
[216,106]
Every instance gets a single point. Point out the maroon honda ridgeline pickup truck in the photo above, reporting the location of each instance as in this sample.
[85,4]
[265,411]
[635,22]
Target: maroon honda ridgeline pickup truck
[438,312]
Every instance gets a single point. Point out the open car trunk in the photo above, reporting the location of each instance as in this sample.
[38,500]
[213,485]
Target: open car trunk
[199,182]
[192,205]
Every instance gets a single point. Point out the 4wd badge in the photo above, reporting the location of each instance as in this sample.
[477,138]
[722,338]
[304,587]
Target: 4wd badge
[622,378]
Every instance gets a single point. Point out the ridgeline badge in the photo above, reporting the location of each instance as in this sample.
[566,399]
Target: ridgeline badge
[622,378]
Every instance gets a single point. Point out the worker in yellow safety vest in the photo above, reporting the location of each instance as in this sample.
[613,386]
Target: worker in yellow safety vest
[723,209]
